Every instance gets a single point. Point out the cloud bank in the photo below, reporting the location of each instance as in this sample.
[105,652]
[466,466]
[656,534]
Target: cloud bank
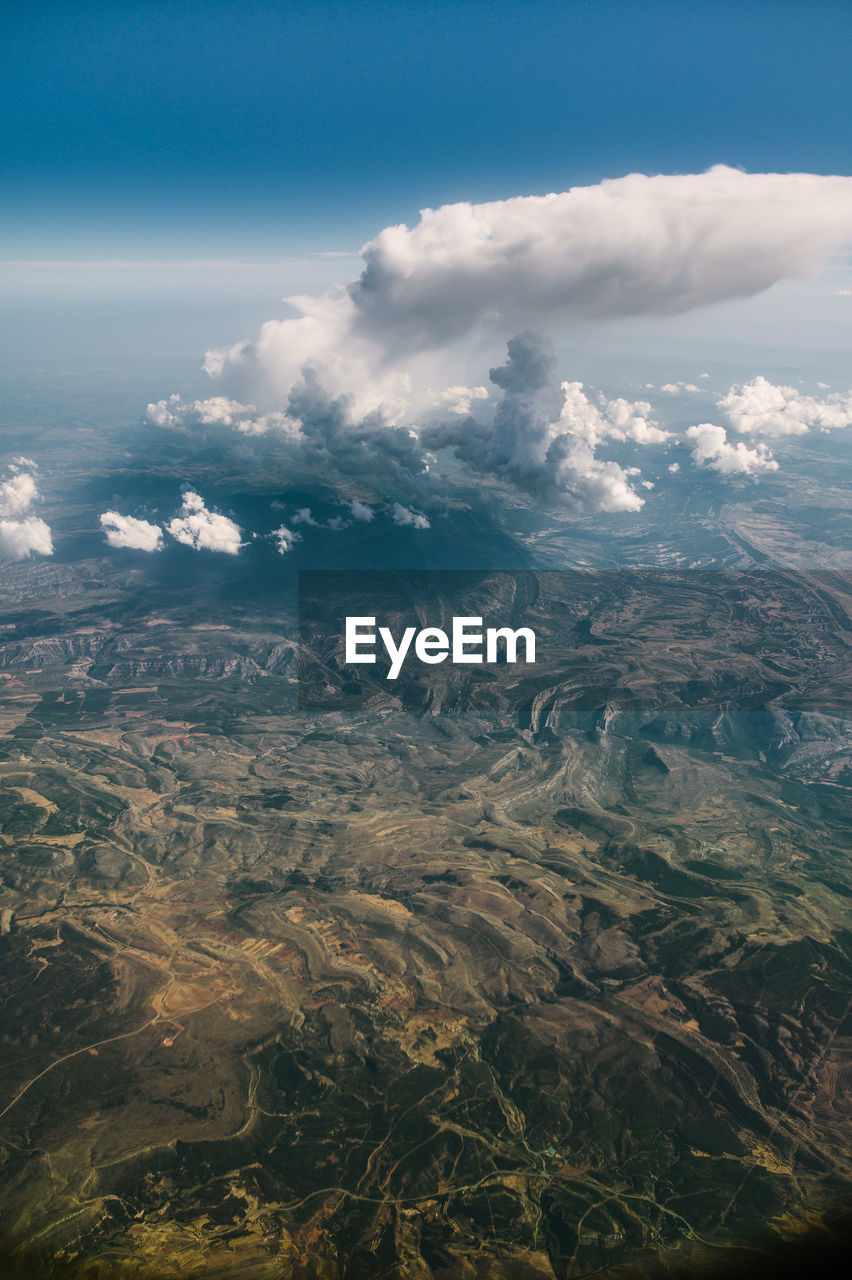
[177,412]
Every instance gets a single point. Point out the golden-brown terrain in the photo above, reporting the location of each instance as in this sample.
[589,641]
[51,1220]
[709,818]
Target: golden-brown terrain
[540,977]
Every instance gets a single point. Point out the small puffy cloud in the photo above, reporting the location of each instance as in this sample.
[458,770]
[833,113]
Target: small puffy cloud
[127,531]
[673,388]
[712,449]
[761,408]
[160,414]
[704,375]
[285,539]
[204,530]
[21,538]
[21,534]
[674,467]
[17,494]
[360,511]
[842,293]
[405,516]
[303,516]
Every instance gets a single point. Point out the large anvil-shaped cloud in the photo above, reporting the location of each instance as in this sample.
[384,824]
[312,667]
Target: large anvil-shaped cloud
[628,246]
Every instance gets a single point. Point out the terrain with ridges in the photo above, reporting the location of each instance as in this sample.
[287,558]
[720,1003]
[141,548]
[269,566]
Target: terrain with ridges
[538,975]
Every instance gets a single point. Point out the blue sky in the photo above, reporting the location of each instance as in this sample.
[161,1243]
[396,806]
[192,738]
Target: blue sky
[209,129]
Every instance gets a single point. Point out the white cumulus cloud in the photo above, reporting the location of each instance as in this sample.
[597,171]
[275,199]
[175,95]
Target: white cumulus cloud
[360,511]
[177,412]
[604,419]
[21,534]
[674,388]
[204,530]
[17,494]
[761,408]
[127,531]
[712,449]
[21,538]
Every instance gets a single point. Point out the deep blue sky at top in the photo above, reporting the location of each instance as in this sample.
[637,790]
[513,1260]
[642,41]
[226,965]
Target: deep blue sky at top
[249,127]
